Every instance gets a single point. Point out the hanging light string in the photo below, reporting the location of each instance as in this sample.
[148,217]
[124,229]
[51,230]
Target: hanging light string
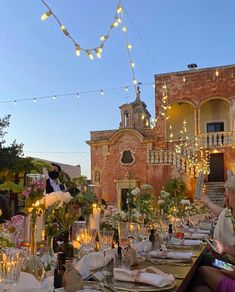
[77,94]
[128,45]
[117,20]
[97,50]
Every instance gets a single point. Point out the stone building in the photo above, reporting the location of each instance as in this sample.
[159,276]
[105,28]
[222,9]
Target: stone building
[193,135]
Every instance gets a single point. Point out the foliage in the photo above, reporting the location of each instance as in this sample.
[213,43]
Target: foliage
[10,186]
[4,238]
[172,199]
[85,200]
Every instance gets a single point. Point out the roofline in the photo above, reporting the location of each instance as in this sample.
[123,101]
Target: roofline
[194,70]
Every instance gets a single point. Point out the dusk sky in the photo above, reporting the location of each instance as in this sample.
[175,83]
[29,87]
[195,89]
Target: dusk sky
[37,59]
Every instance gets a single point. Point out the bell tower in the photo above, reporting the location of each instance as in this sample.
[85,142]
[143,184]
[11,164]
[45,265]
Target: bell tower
[135,114]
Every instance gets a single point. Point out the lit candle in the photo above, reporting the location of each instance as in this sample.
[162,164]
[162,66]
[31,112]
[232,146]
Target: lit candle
[95,218]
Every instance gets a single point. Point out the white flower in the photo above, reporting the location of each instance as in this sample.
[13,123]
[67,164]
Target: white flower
[164,194]
[146,187]
[135,191]
[160,202]
[185,202]
[55,197]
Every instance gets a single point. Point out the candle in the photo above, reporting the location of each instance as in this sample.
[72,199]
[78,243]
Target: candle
[95,218]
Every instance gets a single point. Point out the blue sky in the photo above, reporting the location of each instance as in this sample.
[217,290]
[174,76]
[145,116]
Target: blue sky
[38,60]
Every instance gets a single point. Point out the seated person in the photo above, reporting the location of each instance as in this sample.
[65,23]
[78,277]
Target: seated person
[52,183]
[225,228]
[213,279]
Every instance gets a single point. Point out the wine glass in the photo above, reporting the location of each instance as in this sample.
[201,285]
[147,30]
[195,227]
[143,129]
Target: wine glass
[106,240]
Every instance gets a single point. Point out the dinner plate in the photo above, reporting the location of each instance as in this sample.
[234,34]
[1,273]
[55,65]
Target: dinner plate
[138,287]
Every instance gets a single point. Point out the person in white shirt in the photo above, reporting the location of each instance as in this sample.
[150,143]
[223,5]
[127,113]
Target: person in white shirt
[52,183]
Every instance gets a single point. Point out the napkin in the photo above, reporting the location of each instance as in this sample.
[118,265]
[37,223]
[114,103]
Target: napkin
[130,256]
[171,255]
[184,242]
[151,276]
[72,279]
[194,235]
[93,261]
[205,226]
[200,231]
[142,246]
[27,282]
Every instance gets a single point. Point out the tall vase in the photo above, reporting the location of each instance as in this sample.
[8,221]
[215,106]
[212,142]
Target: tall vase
[32,264]
[48,258]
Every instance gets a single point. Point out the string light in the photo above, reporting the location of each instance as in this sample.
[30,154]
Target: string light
[216,73]
[46,15]
[15,102]
[90,54]
[34,100]
[64,30]
[78,50]
[102,92]
[126,88]
[98,53]
[98,49]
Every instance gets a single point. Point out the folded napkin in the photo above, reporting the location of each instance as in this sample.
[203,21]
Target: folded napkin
[171,255]
[200,231]
[93,261]
[151,276]
[184,242]
[142,246]
[27,282]
[72,279]
[194,235]
[205,226]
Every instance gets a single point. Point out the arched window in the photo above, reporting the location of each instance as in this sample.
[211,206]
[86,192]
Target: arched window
[126,118]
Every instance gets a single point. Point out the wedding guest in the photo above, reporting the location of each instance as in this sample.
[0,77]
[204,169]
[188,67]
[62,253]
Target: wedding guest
[212,279]
[215,209]
[52,183]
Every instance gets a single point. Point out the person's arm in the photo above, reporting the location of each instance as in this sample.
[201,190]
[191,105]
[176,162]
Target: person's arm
[224,248]
[216,210]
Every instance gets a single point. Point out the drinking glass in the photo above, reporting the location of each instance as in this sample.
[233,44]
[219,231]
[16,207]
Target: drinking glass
[123,232]
[106,240]
[10,267]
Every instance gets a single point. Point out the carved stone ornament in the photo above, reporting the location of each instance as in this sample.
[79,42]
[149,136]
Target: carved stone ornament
[127,157]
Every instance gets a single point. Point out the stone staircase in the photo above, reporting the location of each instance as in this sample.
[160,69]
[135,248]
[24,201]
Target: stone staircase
[215,191]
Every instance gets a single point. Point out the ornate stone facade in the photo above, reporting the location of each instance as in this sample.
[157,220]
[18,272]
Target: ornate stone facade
[135,154]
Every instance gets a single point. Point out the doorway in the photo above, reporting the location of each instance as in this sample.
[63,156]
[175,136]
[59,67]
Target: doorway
[216,167]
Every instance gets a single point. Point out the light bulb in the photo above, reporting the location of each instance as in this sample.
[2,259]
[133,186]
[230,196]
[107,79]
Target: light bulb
[104,38]
[132,64]
[119,9]
[98,53]
[102,92]
[216,73]
[46,15]
[78,95]
[153,85]
[115,24]
[126,88]
[54,97]
[15,102]
[100,49]
[64,30]
[184,79]
[129,46]
[124,29]
[90,54]
[78,50]
[118,19]
[134,81]
[34,100]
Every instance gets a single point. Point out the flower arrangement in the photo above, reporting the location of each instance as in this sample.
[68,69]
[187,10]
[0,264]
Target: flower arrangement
[15,227]
[5,240]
